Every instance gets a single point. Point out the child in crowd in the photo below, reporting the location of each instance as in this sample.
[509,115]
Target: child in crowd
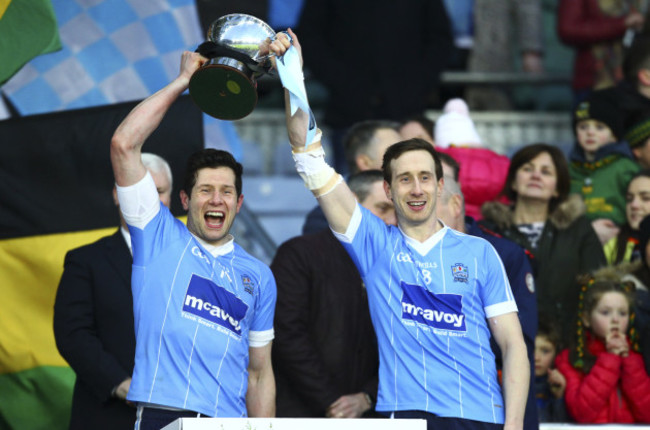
[549,382]
[601,166]
[482,171]
[606,381]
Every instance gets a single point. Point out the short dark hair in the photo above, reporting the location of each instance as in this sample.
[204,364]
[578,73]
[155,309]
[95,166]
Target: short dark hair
[547,327]
[427,123]
[361,182]
[416,144]
[451,162]
[359,137]
[528,153]
[212,159]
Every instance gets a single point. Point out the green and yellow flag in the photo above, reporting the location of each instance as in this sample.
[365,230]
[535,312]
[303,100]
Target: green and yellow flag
[28,28]
[55,195]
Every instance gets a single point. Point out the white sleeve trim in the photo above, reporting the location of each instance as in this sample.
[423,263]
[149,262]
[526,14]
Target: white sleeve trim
[353,227]
[500,309]
[257,339]
[139,203]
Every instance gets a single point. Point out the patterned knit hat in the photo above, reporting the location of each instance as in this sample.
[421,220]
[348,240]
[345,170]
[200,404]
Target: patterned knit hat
[639,132]
[603,106]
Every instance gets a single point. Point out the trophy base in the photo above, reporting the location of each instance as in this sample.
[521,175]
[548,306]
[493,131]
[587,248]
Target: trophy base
[223,91]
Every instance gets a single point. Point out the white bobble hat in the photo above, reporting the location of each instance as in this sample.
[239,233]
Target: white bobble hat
[455,127]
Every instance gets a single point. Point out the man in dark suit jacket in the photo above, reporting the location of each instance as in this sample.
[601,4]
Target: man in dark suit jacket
[325,353]
[93,321]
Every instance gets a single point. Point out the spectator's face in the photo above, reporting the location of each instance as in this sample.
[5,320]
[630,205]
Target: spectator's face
[544,355]
[413,129]
[163,186]
[213,204]
[610,315]
[593,135]
[536,180]
[379,204]
[637,201]
[382,139]
[414,188]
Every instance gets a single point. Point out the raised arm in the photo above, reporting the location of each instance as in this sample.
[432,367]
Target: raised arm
[126,144]
[334,196]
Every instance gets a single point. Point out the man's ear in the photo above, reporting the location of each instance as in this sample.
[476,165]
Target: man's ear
[240,200]
[387,190]
[456,203]
[363,162]
[185,200]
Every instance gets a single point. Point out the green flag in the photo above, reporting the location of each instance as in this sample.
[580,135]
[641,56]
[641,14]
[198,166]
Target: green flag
[55,194]
[28,28]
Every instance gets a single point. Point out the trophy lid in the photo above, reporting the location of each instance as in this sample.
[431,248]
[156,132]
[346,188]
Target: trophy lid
[240,32]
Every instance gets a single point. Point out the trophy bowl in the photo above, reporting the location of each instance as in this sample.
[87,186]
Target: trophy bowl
[225,86]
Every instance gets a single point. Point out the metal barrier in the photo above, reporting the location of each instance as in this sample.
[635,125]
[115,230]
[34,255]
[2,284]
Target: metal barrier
[265,130]
[262,226]
[503,78]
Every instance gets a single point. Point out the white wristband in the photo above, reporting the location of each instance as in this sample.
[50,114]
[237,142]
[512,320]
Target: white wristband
[319,177]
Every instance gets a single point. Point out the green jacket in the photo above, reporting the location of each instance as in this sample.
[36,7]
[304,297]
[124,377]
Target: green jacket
[568,247]
[603,183]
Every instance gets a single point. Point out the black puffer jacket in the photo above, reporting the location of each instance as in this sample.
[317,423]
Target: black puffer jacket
[568,247]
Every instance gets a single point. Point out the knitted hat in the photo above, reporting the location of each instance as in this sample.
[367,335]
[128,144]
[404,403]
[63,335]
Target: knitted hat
[639,131]
[603,106]
[455,127]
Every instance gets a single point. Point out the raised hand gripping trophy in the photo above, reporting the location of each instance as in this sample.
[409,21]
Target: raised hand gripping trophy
[225,87]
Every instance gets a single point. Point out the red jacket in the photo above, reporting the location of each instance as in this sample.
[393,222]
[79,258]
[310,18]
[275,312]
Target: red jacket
[581,24]
[616,390]
[482,175]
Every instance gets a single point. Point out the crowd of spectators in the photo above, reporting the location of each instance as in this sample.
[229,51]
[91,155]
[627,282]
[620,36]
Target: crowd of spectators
[572,229]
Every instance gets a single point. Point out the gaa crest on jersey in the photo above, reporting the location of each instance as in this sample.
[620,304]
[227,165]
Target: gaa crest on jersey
[213,304]
[530,282]
[460,273]
[439,311]
[247,282]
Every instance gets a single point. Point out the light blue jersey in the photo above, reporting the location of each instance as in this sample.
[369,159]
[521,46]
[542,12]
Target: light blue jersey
[196,314]
[429,303]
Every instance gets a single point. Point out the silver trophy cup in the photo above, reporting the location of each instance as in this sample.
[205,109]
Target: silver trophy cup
[225,86]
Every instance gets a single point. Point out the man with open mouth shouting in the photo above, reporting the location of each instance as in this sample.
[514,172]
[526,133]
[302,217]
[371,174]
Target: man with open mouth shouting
[203,307]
